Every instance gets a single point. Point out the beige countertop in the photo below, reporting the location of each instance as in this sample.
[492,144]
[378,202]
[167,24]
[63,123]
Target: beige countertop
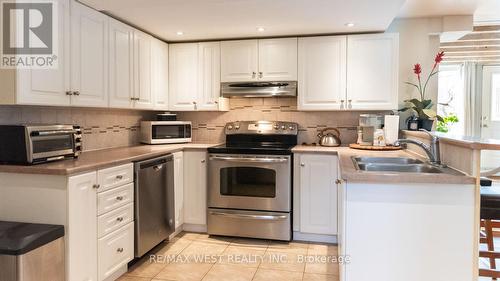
[97,159]
[463,141]
[349,172]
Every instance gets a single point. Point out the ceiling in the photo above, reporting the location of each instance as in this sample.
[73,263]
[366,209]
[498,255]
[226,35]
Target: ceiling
[221,19]
[434,8]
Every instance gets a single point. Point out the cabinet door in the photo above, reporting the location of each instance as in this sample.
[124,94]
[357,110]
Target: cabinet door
[372,71]
[82,227]
[239,60]
[321,73]
[89,56]
[142,71]
[278,59]
[195,187]
[318,194]
[121,65]
[179,188]
[159,65]
[49,86]
[209,75]
[183,76]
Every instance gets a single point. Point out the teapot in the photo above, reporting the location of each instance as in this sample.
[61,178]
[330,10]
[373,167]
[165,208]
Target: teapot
[329,139]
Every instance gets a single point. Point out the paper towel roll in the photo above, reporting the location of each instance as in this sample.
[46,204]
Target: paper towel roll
[391,128]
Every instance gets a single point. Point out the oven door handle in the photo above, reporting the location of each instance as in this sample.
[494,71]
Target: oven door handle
[251,217]
[249,159]
[52,133]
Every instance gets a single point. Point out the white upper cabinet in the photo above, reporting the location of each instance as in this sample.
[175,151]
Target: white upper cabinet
[209,75]
[372,71]
[43,86]
[239,61]
[183,76]
[121,56]
[278,59]
[143,96]
[89,56]
[159,64]
[259,60]
[321,72]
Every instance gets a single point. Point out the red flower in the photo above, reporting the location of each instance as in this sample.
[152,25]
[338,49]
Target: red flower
[439,57]
[417,69]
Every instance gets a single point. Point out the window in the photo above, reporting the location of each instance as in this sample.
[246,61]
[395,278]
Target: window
[451,100]
[495,97]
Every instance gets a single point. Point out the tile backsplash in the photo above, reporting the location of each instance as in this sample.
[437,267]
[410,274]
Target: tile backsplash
[106,128]
[101,128]
[209,126]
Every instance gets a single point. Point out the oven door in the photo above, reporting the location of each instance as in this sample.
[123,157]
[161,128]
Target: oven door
[250,182]
[51,145]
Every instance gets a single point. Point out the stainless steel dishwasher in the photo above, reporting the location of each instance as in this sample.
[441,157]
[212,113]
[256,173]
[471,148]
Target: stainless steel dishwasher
[154,202]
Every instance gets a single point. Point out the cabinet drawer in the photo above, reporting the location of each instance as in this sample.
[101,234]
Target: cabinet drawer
[115,250]
[115,198]
[115,219]
[115,176]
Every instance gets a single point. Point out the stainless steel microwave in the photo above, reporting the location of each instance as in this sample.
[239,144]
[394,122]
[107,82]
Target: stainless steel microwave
[161,132]
[33,144]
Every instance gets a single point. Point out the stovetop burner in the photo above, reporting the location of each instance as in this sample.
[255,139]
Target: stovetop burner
[258,137]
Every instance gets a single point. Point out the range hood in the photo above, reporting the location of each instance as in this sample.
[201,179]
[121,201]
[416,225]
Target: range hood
[259,89]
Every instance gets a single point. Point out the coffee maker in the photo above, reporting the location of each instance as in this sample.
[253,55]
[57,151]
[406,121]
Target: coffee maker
[368,123]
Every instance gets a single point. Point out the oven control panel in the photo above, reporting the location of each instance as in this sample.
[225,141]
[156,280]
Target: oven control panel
[262,127]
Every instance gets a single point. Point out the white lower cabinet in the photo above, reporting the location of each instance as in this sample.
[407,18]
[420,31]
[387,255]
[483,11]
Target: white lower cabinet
[82,227]
[315,194]
[179,188]
[100,224]
[195,187]
[115,251]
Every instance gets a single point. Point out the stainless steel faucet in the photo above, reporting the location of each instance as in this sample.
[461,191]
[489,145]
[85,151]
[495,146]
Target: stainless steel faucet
[431,150]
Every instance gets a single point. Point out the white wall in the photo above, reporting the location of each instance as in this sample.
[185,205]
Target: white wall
[419,40]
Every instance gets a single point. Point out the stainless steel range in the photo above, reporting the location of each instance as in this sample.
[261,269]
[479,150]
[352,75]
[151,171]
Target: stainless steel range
[250,180]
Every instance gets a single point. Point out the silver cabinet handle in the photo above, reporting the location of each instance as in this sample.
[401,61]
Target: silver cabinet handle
[350,104]
[247,216]
[119,198]
[216,102]
[253,74]
[302,164]
[119,250]
[341,104]
[250,159]
[76,93]
[119,177]
[96,186]
[338,181]
[203,161]
[120,219]
[261,74]
[69,93]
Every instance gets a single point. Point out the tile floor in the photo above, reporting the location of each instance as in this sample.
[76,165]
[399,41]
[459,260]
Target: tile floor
[194,257]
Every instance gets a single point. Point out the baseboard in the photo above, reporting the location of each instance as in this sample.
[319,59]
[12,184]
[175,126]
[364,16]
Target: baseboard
[201,228]
[122,270]
[310,237]
[176,232]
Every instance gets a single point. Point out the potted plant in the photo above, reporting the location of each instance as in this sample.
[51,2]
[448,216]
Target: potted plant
[422,107]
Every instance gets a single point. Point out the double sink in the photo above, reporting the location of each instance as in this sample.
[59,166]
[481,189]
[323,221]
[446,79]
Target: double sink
[397,164]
